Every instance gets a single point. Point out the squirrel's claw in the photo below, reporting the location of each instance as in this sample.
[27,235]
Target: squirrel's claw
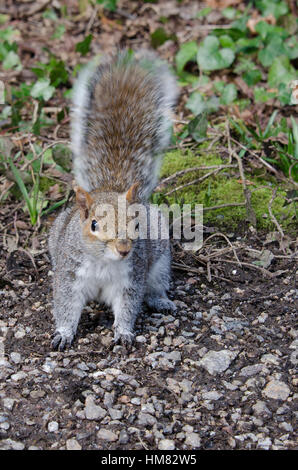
[124,338]
[60,341]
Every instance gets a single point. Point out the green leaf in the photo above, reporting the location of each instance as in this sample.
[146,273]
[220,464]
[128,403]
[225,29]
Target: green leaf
[211,57]
[159,37]
[197,127]
[42,89]
[281,71]
[203,12]
[252,77]
[273,49]
[198,104]
[276,8]
[59,31]
[261,95]
[229,94]
[186,53]
[11,61]
[21,186]
[84,46]
[110,5]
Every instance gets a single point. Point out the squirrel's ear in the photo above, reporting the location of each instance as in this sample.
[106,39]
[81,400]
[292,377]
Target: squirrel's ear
[132,193]
[84,201]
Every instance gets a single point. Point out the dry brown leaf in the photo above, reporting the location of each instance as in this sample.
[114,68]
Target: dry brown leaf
[221,4]
[255,19]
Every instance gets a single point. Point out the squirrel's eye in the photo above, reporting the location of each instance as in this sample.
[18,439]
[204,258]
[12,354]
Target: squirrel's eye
[93,225]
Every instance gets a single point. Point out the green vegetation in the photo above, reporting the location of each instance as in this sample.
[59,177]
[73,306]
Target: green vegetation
[237,76]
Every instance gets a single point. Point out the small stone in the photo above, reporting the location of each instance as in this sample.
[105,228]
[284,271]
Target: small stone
[217,361]
[212,395]
[18,376]
[115,414]
[264,443]
[141,339]
[276,390]
[107,435]
[93,411]
[72,444]
[8,403]
[260,409]
[15,357]
[252,370]
[145,419]
[53,426]
[37,393]
[166,444]
[193,440]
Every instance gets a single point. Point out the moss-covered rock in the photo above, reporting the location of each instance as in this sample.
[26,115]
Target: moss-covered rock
[223,188]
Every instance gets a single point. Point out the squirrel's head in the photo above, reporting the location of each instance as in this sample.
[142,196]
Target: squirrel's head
[108,227]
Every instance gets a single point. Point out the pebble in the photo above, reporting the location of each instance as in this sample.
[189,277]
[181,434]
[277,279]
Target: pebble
[193,440]
[107,435]
[276,390]
[217,361]
[252,370]
[93,411]
[8,403]
[166,444]
[72,444]
[15,357]
[53,426]
[18,376]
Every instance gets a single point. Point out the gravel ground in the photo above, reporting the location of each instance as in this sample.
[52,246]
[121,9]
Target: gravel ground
[219,374]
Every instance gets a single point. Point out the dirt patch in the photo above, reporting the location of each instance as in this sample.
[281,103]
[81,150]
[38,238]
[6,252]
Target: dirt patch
[219,374]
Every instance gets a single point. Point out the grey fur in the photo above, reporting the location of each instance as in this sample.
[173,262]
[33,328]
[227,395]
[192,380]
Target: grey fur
[82,273]
[117,140]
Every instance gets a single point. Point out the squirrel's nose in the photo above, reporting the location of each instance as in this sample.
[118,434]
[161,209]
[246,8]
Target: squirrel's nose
[123,253]
[123,247]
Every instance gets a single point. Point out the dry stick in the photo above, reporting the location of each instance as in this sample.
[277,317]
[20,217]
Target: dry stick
[195,168]
[270,168]
[219,234]
[247,194]
[220,206]
[272,216]
[198,180]
[264,271]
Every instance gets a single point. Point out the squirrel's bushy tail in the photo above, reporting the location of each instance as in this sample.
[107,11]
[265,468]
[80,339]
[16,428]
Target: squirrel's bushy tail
[121,122]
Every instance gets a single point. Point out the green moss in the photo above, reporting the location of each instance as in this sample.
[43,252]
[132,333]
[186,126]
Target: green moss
[224,188]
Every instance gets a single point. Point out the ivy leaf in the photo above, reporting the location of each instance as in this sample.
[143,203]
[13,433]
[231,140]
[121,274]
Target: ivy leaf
[11,61]
[42,89]
[276,8]
[197,127]
[211,57]
[84,46]
[198,104]
[252,77]
[281,71]
[187,52]
[273,49]
[229,94]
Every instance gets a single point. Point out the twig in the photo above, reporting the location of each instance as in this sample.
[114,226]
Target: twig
[219,234]
[220,206]
[247,194]
[198,180]
[195,168]
[272,216]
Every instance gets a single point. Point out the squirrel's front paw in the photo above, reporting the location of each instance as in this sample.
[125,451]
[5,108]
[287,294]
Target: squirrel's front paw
[123,337]
[62,338]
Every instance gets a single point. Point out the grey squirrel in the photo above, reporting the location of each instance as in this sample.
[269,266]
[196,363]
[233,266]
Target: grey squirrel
[120,124]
